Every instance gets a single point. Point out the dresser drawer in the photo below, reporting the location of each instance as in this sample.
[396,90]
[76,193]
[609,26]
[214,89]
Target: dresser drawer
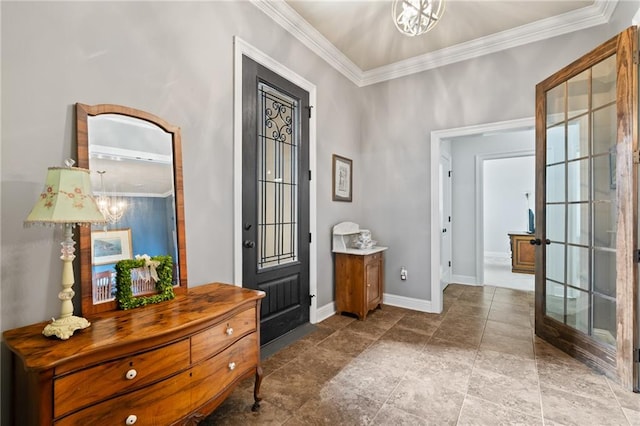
[159,404]
[95,384]
[212,376]
[212,340]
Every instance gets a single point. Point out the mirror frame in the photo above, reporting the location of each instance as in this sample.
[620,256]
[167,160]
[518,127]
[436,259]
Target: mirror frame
[86,280]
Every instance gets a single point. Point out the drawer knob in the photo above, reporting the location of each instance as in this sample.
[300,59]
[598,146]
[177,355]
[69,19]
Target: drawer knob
[229,331]
[232,366]
[132,419]
[131,374]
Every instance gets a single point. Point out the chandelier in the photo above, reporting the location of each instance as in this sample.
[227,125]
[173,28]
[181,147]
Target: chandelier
[111,208]
[415,17]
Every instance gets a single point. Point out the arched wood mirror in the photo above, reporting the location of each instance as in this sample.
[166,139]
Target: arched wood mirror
[135,159]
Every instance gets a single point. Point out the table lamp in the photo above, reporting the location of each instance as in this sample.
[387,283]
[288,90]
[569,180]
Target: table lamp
[66,200]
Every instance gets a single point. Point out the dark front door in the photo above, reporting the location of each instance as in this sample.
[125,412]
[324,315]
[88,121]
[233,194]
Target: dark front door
[275,197]
[586,205]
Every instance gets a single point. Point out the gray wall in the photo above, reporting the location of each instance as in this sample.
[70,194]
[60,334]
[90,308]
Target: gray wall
[402,113]
[175,60]
[145,55]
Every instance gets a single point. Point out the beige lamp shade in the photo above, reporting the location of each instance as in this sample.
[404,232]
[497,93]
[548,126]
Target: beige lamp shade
[66,198]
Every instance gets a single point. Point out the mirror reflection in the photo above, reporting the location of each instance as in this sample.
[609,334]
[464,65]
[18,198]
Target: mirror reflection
[131,167]
[135,163]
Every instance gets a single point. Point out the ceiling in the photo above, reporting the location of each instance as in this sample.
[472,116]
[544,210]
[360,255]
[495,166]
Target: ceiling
[360,39]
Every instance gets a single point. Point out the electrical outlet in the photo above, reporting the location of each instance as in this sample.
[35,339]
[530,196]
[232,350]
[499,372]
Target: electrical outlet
[403,273]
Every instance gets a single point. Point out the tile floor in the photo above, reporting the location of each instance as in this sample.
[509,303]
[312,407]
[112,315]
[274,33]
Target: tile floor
[478,363]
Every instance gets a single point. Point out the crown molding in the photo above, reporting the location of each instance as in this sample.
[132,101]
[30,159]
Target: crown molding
[290,20]
[597,14]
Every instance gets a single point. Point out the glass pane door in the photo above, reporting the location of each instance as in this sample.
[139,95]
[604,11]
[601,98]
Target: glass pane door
[586,207]
[580,202]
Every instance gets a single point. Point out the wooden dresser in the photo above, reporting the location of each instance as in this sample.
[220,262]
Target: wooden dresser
[523,254]
[169,363]
[359,280]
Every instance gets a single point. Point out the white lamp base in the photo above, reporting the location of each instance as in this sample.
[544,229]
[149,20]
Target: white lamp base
[63,328]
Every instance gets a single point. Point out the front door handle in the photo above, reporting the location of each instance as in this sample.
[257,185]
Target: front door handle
[249,244]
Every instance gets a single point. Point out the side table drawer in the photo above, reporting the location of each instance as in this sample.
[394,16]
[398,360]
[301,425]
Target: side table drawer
[372,258]
[160,404]
[212,340]
[93,385]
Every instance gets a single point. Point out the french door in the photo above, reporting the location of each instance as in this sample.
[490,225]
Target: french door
[586,208]
[275,197]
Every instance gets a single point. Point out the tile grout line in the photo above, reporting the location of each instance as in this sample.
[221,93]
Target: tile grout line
[400,381]
[535,357]
[466,392]
[606,379]
[407,373]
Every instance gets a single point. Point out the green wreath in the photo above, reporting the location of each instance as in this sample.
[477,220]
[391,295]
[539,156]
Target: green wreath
[164,285]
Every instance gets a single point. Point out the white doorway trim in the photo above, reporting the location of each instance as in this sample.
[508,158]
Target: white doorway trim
[479,214]
[437,137]
[243,48]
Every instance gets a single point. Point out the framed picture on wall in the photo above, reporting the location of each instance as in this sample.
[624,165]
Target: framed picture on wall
[110,246]
[342,178]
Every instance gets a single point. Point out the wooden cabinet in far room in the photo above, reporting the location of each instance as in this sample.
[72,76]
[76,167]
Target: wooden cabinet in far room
[523,253]
[359,281]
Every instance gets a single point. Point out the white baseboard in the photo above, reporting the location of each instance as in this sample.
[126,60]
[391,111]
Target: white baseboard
[329,309]
[497,258]
[408,303]
[464,279]
[325,312]
[497,254]
[517,285]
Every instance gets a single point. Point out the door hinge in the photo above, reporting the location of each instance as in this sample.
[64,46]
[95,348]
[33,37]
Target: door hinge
[635,57]
[309,174]
[636,256]
[449,174]
[309,236]
[449,219]
[449,264]
[311,296]
[309,109]
[636,157]
[636,355]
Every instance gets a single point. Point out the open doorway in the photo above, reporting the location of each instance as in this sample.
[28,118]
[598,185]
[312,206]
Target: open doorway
[467,233]
[508,202]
